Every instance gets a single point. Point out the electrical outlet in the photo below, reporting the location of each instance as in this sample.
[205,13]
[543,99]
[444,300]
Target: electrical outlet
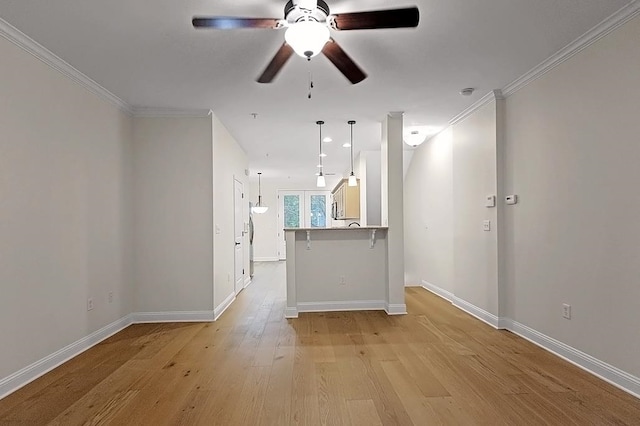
[110,297]
[566,311]
[486,225]
[89,304]
[343,281]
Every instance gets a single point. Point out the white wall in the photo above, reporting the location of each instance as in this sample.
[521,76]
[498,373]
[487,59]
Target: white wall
[173,206]
[475,251]
[360,170]
[573,158]
[373,188]
[265,225]
[567,145]
[446,184]
[393,186]
[367,167]
[229,162]
[64,203]
[428,210]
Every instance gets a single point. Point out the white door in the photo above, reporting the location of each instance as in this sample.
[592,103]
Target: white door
[238,234]
[302,209]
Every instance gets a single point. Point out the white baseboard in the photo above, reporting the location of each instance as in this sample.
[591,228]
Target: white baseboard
[601,369]
[395,308]
[219,310]
[447,295]
[175,316]
[266,259]
[290,312]
[463,305]
[606,372]
[247,281]
[31,372]
[348,305]
[477,312]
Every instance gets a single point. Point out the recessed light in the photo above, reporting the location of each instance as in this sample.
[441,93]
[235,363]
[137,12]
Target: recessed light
[323,155]
[346,145]
[327,139]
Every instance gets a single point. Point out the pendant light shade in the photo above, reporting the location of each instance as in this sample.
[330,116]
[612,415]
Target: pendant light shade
[320,182]
[259,208]
[353,181]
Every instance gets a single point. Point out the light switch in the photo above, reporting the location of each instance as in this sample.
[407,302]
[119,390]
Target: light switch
[490,201]
[486,225]
[218,229]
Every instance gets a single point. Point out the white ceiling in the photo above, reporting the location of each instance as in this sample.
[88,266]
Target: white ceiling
[148,54]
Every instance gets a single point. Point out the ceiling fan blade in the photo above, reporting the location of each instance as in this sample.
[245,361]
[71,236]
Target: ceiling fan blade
[281,57]
[392,18]
[343,62]
[231,22]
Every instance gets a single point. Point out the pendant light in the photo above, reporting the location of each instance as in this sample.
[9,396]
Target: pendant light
[259,208]
[352,177]
[320,183]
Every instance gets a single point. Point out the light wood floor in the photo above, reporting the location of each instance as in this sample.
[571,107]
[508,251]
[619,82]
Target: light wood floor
[436,365]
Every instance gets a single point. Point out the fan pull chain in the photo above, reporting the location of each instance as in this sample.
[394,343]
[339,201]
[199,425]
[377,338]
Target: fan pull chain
[310,84]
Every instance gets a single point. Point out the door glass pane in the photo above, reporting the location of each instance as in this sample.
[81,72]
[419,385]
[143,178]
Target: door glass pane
[318,211]
[291,211]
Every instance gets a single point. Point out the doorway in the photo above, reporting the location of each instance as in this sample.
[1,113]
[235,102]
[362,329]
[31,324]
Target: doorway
[302,209]
[238,235]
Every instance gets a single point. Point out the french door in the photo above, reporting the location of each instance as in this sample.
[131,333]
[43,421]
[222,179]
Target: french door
[302,209]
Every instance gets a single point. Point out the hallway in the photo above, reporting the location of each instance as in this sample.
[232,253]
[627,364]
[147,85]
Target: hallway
[436,365]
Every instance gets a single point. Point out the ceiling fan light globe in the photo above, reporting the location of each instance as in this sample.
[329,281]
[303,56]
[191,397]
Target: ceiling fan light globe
[414,138]
[307,38]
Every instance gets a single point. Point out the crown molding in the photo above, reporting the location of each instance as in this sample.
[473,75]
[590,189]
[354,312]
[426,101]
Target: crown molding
[169,112]
[605,27]
[34,48]
[491,96]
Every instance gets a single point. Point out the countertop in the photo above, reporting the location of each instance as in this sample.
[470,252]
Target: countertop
[338,228]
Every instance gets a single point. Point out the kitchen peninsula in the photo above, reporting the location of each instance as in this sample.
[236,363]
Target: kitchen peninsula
[336,269]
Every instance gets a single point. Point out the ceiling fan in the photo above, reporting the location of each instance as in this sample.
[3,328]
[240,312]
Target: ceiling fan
[307,24]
